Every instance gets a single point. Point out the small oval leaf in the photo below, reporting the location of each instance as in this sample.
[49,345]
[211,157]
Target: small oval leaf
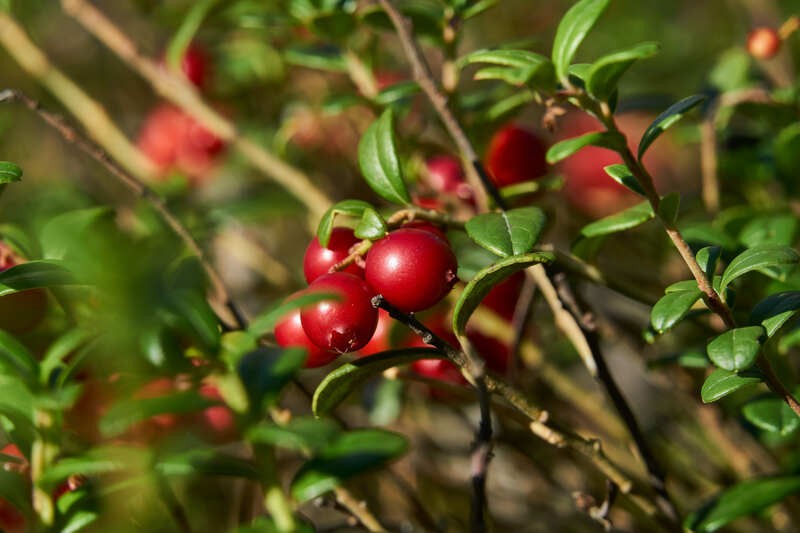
[736,349]
[606,71]
[305,434]
[353,208]
[572,29]
[563,149]
[622,175]
[512,232]
[773,311]
[377,157]
[627,219]
[34,274]
[771,414]
[9,172]
[757,258]
[721,382]
[666,119]
[371,226]
[485,280]
[341,382]
[671,309]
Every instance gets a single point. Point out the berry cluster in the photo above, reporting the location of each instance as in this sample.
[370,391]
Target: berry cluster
[413,267]
[174,140]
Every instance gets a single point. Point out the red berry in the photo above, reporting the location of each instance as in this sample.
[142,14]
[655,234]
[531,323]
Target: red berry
[502,299]
[194,65]
[445,175]
[515,155]
[343,325]
[289,333]
[381,338]
[496,354]
[319,260]
[763,43]
[218,420]
[430,227]
[412,269]
[11,520]
[440,369]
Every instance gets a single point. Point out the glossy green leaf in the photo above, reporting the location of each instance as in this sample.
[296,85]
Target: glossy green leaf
[671,308]
[472,258]
[683,285]
[371,226]
[16,360]
[95,462]
[736,349]
[508,233]
[721,382]
[351,454]
[757,258]
[746,498]
[265,372]
[321,57]
[606,71]
[516,67]
[473,9]
[352,208]
[627,219]
[572,29]
[9,172]
[124,414]
[186,31]
[397,92]
[265,322]
[65,231]
[196,311]
[479,286]
[305,434]
[15,489]
[669,208]
[771,414]
[563,149]
[338,384]
[622,175]
[377,157]
[670,116]
[34,274]
[206,462]
[708,258]
[778,228]
[773,311]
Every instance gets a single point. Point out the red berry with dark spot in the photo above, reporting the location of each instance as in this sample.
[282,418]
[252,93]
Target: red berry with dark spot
[515,155]
[318,260]
[412,269]
[289,333]
[345,324]
[763,43]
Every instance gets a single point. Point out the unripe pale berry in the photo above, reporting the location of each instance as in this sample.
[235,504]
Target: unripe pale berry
[345,324]
[412,269]
[763,43]
[318,260]
[289,333]
[515,155]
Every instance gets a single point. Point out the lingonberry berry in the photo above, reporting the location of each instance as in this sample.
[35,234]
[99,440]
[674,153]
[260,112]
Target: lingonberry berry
[194,65]
[318,259]
[763,43]
[344,324]
[430,227]
[412,269]
[445,175]
[289,333]
[515,155]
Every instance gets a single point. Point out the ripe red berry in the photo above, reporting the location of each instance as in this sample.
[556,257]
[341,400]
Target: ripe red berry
[496,354]
[343,325]
[194,65]
[318,260]
[412,269]
[218,421]
[289,333]
[430,227]
[380,341]
[763,43]
[445,175]
[515,155]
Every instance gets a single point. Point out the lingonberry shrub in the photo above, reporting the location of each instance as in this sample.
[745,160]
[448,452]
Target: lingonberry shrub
[412,269]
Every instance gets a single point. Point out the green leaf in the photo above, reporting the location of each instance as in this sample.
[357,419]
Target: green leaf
[16,360]
[379,163]
[353,208]
[627,219]
[321,57]
[683,285]
[265,372]
[206,462]
[34,274]
[508,233]
[371,226]
[96,462]
[516,67]
[351,454]
[736,349]
[773,311]
[265,322]
[15,489]
[769,229]
[473,9]
[746,498]
[771,413]
[708,258]
[397,92]
[669,207]
[305,434]
[571,31]
[721,382]
[471,257]
[757,258]
[126,413]
[606,71]
[65,231]
[62,348]
[671,309]
[195,309]
[666,119]
[9,172]
[186,32]
[622,175]
[338,384]
[483,282]
[562,150]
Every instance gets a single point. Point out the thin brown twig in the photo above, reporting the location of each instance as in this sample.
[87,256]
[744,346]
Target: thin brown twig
[221,298]
[182,93]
